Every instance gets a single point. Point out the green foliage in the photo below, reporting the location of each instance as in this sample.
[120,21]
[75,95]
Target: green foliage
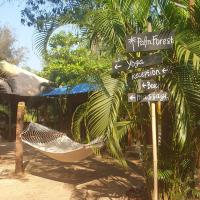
[68,61]
[3,109]
[79,119]
[106,26]
[187,48]
[101,114]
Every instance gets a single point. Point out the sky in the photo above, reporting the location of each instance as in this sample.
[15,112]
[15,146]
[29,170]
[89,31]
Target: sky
[10,15]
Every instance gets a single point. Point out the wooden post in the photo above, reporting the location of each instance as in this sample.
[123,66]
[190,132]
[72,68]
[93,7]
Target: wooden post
[13,102]
[154,137]
[191,4]
[9,118]
[155,159]
[159,123]
[18,145]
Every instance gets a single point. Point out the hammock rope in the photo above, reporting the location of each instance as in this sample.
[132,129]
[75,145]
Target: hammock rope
[56,144]
[37,133]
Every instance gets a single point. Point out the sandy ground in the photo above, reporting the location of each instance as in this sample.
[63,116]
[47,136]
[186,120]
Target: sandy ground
[45,179]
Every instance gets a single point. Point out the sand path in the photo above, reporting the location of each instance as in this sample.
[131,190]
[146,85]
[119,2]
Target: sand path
[46,179]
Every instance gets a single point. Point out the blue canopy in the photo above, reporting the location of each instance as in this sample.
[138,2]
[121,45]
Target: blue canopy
[65,90]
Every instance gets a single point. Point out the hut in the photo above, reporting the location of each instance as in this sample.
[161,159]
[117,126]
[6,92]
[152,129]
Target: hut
[52,107]
[24,85]
[71,98]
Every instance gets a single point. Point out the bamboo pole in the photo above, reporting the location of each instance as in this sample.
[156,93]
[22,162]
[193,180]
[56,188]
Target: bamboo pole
[155,159]
[154,138]
[19,169]
[159,123]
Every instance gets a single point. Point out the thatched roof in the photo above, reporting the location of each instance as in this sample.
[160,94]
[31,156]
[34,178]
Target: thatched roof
[6,87]
[25,82]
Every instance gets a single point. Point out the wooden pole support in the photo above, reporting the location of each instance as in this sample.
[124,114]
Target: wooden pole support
[159,122]
[154,138]
[155,159]
[19,169]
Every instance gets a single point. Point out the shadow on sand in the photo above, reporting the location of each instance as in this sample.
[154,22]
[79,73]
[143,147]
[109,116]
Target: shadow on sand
[92,178]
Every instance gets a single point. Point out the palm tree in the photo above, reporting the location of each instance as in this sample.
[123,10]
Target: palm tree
[107,26]
[183,87]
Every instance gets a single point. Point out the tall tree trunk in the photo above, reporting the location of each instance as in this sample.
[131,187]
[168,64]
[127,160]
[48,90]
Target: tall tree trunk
[191,4]
[19,147]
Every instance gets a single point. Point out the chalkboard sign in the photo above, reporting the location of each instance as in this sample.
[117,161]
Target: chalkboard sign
[154,96]
[150,73]
[148,85]
[124,65]
[150,41]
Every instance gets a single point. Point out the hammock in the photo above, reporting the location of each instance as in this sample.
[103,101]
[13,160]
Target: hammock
[57,145]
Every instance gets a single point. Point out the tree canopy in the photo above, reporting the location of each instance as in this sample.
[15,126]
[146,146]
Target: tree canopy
[105,26]
[36,13]
[69,61]
[8,51]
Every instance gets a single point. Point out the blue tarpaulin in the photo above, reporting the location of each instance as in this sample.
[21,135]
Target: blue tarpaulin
[65,90]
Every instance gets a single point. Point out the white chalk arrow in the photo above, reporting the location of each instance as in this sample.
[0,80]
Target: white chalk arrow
[117,66]
[164,70]
[132,97]
[144,85]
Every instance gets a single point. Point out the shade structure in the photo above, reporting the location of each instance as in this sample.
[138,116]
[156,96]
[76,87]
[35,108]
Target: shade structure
[25,83]
[66,90]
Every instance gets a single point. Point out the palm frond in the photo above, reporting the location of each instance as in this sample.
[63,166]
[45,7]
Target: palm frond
[165,175]
[104,106]
[171,15]
[109,27]
[141,11]
[179,100]
[195,193]
[188,49]
[101,116]
[77,120]
[41,37]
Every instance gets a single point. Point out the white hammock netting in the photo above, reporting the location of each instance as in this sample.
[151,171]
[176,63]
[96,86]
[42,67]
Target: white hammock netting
[56,144]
